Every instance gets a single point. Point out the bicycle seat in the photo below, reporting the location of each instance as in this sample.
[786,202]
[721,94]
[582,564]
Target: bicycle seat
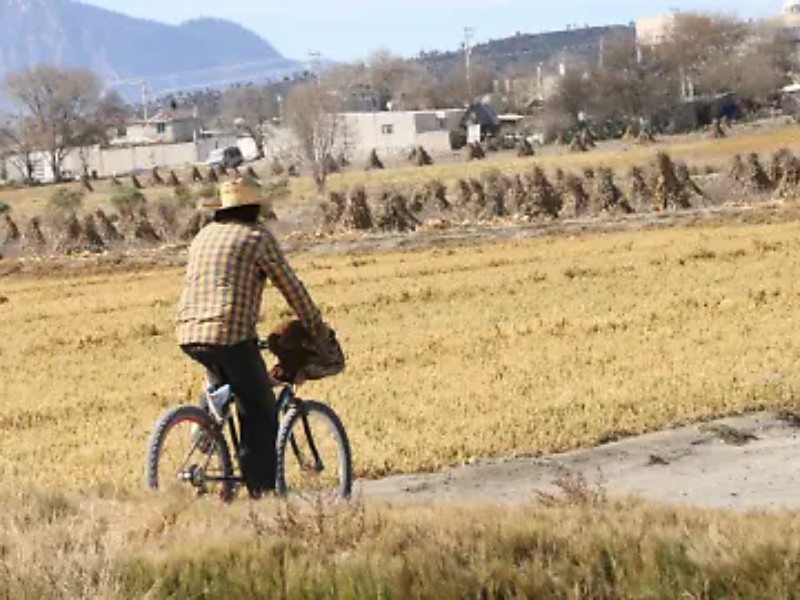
[215,378]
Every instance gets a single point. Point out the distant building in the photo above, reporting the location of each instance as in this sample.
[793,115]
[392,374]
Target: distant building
[652,31]
[790,19]
[394,133]
[165,127]
[791,14]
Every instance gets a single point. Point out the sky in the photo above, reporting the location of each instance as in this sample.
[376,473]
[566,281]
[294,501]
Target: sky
[346,30]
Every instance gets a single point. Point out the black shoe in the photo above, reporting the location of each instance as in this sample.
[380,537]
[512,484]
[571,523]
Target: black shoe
[260,493]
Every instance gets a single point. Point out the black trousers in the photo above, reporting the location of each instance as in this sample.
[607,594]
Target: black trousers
[242,366]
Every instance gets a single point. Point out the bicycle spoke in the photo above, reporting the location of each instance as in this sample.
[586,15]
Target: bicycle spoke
[189,454]
[312,468]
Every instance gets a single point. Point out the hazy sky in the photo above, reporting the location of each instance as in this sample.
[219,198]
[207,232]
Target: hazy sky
[349,29]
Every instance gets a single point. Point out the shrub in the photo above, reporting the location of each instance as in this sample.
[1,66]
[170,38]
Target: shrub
[208,190]
[4,208]
[128,199]
[65,200]
[276,190]
[183,195]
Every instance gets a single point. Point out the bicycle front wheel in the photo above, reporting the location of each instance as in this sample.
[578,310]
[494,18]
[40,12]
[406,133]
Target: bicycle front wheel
[187,450]
[314,453]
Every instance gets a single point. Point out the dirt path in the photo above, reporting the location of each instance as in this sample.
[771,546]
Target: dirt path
[743,462]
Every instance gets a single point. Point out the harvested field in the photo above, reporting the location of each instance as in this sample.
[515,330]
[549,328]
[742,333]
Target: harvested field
[485,351]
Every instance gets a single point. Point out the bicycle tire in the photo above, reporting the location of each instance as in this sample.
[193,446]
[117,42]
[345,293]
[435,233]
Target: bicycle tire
[197,416]
[292,418]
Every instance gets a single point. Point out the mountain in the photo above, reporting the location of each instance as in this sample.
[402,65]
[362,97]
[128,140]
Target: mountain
[524,50]
[198,53]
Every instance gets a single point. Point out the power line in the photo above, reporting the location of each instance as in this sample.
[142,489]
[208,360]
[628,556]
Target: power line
[213,83]
[227,67]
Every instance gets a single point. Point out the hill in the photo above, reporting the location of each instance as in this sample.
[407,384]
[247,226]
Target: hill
[120,48]
[530,49]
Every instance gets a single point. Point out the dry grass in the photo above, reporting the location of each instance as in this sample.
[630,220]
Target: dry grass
[494,350]
[68,546]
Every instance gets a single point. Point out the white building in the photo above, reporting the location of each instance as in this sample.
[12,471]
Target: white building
[165,127]
[790,19]
[652,31]
[791,14]
[394,134]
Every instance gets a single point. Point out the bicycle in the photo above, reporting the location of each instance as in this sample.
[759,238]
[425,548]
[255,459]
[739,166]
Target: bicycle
[314,462]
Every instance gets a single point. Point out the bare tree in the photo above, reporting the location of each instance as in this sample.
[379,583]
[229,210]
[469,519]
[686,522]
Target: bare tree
[698,45]
[631,83]
[453,90]
[382,79]
[714,53]
[386,72]
[65,108]
[702,54]
[574,93]
[417,90]
[16,145]
[252,108]
[313,115]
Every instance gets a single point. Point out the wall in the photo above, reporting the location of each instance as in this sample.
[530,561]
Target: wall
[390,133]
[124,160]
[174,132]
[394,134]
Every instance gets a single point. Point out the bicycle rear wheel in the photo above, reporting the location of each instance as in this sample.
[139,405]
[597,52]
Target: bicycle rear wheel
[187,450]
[314,453]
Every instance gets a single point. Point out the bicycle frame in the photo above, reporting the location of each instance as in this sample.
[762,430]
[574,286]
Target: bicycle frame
[286,399]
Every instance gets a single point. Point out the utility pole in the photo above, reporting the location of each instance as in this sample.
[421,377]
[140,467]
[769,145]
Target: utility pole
[539,82]
[601,58]
[195,124]
[468,35]
[313,60]
[144,99]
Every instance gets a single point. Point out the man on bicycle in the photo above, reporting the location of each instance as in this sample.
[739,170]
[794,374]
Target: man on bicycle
[229,262]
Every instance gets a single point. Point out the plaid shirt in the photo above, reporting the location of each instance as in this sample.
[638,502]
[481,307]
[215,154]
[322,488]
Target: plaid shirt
[228,265]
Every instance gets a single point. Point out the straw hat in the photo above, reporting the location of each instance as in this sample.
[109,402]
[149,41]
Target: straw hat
[242,191]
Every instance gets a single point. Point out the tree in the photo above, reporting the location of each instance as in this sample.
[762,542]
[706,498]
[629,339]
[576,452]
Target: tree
[15,144]
[312,114]
[64,109]
[386,72]
[455,91]
[574,94]
[698,45]
[631,83]
[715,54]
[252,108]
[384,78]
[702,54]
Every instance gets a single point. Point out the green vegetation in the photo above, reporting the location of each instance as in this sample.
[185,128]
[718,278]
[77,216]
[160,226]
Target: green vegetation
[65,200]
[127,199]
[579,546]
